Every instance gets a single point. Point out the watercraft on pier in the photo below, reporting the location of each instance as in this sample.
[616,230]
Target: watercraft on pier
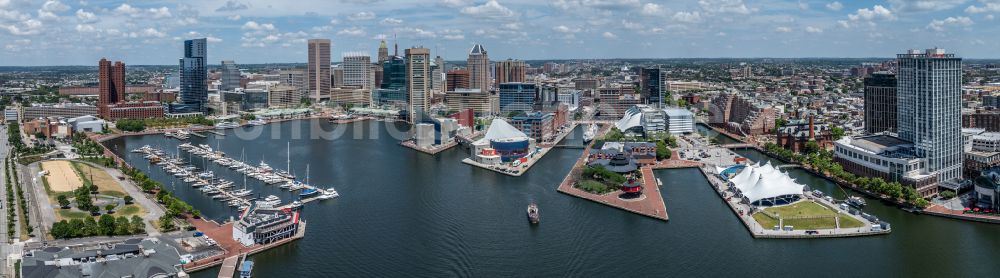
[308,192]
[329,193]
[856,201]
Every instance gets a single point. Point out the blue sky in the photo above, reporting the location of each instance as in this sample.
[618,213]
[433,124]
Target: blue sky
[68,32]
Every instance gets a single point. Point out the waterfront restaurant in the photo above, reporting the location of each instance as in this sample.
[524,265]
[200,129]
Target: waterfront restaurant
[263,227]
[765,186]
[614,161]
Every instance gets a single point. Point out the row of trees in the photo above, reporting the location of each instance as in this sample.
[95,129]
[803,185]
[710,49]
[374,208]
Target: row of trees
[106,225]
[86,147]
[175,206]
[135,125]
[11,214]
[822,161]
[21,201]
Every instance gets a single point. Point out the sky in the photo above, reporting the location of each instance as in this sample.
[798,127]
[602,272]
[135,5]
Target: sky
[70,32]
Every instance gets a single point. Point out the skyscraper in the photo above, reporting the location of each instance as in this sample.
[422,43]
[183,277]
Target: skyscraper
[929,97]
[194,84]
[111,85]
[383,53]
[318,70]
[510,71]
[418,62]
[393,89]
[357,69]
[479,68]
[516,97]
[880,103]
[230,76]
[653,85]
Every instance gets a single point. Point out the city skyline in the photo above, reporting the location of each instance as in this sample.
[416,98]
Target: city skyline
[251,32]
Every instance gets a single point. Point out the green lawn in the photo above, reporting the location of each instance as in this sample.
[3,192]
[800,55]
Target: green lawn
[593,186]
[808,209]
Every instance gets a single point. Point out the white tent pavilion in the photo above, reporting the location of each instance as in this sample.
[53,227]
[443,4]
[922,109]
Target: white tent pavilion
[766,185]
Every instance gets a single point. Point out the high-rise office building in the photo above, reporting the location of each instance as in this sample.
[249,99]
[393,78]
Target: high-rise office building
[194,83]
[929,97]
[418,62]
[230,76]
[516,97]
[880,103]
[357,69]
[653,86]
[510,71]
[437,74]
[383,53]
[295,78]
[478,66]
[456,79]
[393,89]
[318,70]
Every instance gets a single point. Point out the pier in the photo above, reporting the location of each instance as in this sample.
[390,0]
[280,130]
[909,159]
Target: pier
[215,132]
[223,235]
[432,150]
[228,268]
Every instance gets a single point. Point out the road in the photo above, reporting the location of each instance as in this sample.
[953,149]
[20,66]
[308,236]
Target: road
[5,246]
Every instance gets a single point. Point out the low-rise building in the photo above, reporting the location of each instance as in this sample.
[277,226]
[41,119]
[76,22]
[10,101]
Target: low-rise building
[536,125]
[886,157]
[132,258]
[265,226]
[481,103]
[67,110]
[796,134]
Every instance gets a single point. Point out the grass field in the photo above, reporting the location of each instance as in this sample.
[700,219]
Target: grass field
[821,217]
[108,189]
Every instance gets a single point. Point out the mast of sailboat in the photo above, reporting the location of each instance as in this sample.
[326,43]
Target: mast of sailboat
[288,161]
[307,174]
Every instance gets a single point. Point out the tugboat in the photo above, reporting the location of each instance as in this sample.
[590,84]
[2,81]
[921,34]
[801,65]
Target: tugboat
[533,213]
[856,201]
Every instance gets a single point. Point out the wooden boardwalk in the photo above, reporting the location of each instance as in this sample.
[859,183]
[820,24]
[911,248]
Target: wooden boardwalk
[228,268]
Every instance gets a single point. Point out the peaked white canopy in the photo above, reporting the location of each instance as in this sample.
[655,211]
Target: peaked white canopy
[761,182]
[500,130]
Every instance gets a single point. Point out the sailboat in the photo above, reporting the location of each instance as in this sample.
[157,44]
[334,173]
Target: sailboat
[287,173]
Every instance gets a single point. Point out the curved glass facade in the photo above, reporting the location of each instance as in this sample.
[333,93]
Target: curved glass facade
[510,151]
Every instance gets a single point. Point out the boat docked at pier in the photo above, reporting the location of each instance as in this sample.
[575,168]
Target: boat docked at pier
[589,133]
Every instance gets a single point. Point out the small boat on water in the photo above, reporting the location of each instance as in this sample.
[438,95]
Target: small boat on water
[308,192]
[856,201]
[296,205]
[588,135]
[246,268]
[533,213]
[329,193]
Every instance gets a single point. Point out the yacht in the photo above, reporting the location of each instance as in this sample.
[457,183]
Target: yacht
[329,193]
[308,192]
[225,125]
[207,175]
[271,201]
[296,205]
[257,122]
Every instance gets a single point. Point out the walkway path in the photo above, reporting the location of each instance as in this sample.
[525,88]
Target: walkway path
[155,211]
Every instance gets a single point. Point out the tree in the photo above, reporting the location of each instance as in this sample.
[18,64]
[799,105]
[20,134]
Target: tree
[137,225]
[110,208]
[166,222]
[837,132]
[128,200]
[661,151]
[811,147]
[106,225]
[91,227]
[94,210]
[63,202]
[122,226]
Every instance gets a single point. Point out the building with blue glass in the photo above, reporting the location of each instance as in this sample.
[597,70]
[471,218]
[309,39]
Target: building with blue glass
[194,87]
[517,97]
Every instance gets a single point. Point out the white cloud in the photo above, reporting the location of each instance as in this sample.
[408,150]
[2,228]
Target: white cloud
[85,28]
[834,6]
[352,31]
[162,12]
[815,30]
[361,16]
[940,25]
[85,16]
[687,17]
[924,5]
[565,29]
[234,17]
[491,8]
[391,21]
[252,25]
[631,25]
[783,29]
[803,5]
[232,6]
[418,33]
[987,7]
[152,32]
[452,34]
[878,12]
[609,35]
[126,9]
[725,6]
[455,3]
[652,9]
[213,39]
[54,6]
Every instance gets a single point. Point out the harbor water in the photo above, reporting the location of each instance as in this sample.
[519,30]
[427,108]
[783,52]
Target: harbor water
[405,213]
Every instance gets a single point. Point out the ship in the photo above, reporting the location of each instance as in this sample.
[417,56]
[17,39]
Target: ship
[308,192]
[533,213]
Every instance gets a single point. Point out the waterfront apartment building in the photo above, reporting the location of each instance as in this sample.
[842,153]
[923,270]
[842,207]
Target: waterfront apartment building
[653,86]
[351,95]
[194,75]
[418,62]
[230,76]
[284,96]
[886,157]
[612,102]
[65,110]
[929,101]
[880,103]
[457,79]
[481,103]
[510,71]
[318,72]
[518,97]
[357,70]
[740,113]
[135,110]
[111,85]
[478,66]
[535,125]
